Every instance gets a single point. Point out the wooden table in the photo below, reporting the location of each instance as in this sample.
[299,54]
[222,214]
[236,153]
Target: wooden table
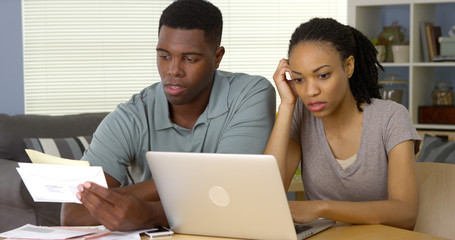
[343,231]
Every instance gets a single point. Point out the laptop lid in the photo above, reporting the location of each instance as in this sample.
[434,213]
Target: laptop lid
[227,195]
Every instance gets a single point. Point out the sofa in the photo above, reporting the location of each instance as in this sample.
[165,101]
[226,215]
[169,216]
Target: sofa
[19,132]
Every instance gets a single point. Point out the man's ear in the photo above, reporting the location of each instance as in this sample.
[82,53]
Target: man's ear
[349,65]
[219,56]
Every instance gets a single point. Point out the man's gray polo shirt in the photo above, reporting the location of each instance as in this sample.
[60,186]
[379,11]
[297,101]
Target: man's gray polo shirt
[238,119]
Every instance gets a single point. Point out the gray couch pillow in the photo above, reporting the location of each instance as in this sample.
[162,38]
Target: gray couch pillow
[436,149]
[70,148]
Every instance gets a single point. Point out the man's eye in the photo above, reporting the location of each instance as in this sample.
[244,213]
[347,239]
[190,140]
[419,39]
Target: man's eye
[190,60]
[164,57]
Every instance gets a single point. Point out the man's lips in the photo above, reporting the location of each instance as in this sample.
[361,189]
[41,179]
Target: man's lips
[173,89]
[316,106]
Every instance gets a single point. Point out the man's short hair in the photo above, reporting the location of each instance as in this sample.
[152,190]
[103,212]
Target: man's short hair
[194,14]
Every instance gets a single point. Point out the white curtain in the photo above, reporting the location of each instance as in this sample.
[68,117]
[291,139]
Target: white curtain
[89,55]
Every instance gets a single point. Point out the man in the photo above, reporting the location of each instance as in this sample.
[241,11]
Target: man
[195,108]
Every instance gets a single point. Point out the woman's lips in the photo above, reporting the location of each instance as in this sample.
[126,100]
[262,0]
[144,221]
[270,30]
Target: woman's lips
[316,106]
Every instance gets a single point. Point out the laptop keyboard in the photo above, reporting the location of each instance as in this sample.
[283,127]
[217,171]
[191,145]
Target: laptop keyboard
[301,228]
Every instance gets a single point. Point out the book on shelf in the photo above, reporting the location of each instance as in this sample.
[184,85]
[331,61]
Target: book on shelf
[433,33]
[424,41]
[429,42]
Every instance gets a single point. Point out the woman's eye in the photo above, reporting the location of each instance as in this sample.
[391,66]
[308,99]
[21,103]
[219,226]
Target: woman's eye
[324,75]
[298,80]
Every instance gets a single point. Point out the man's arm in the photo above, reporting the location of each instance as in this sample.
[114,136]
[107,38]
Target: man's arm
[132,207]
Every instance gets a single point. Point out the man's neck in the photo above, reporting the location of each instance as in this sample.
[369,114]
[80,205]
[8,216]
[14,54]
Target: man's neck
[186,115]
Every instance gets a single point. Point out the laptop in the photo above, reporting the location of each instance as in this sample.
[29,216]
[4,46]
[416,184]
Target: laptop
[226,195]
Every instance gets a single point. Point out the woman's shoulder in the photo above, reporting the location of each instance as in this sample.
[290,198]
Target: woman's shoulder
[384,111]
[380,106]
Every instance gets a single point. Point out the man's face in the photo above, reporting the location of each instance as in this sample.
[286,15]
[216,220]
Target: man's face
[186,62]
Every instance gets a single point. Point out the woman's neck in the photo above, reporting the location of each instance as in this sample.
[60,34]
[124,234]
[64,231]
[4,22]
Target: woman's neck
[346,114]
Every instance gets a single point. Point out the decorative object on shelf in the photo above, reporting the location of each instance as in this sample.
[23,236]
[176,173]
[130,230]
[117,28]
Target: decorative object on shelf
[439,115]
[381,52]
[380,48]
[451,32]
[442,94]
[400,53]
[393,34]
[392,89]
[447,46]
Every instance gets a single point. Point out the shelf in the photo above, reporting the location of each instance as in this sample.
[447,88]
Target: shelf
[434,64]
[435,126]
[390,64]
[370,16]
[419,64]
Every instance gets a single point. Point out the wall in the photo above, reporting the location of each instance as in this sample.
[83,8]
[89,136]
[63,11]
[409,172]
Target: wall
[11,64]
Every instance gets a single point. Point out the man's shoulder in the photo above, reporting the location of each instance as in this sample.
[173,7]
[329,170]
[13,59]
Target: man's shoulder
[144,97]
[239,79]
[139,103]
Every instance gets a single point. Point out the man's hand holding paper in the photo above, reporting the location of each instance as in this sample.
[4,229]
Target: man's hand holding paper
[57,181]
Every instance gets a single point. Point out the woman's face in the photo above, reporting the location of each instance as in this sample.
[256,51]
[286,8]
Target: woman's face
[321,77]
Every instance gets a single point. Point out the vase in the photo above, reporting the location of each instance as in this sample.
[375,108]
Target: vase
[400,53]
[381,52]
[390,35]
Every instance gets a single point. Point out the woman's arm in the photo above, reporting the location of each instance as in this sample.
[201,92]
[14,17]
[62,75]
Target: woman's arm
[399,210]
[285,150]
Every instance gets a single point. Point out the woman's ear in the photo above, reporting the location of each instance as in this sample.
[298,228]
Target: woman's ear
[349,66]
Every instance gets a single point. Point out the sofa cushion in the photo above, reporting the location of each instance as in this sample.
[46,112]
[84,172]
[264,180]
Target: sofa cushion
[436,149]
[13,129]
[70,148]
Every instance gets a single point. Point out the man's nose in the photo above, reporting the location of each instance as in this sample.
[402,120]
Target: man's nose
[175,67]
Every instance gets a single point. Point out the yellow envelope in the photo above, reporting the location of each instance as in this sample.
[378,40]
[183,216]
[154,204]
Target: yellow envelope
[39,157]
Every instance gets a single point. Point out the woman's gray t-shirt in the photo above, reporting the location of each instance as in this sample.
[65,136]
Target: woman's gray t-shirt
[385,125]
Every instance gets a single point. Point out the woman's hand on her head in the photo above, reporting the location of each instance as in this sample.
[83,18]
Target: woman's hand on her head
[285,87]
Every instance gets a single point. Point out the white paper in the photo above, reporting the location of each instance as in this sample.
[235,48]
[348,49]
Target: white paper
[100,232]
[58,183]
[132,235]
[35,232]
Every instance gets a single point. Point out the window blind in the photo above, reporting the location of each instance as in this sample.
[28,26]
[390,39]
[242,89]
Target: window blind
[257,33]
[90,55]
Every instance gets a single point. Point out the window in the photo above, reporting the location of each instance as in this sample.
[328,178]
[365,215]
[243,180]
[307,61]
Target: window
[90,55]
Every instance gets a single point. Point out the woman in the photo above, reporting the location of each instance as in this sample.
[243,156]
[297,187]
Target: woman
[356,151]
